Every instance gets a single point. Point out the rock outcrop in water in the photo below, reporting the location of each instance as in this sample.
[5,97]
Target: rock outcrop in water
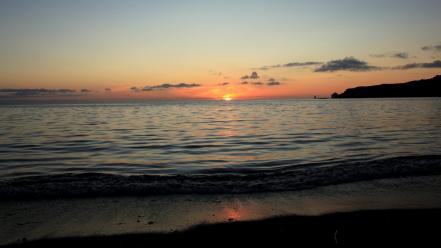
[421,88]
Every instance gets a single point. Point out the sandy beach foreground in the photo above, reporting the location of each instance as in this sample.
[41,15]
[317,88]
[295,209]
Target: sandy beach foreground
[362,228]
[396,210]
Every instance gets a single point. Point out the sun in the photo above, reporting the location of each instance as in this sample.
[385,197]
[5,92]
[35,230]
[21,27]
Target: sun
[227,98]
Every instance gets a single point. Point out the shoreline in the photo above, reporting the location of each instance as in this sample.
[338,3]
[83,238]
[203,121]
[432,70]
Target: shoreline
[390,226]
[290,178]
[32,220]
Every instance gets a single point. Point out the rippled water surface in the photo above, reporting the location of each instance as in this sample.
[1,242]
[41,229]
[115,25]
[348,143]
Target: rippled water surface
[207,137]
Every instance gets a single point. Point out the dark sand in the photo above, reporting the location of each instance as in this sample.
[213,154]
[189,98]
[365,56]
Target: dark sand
[394,211]
[375,227]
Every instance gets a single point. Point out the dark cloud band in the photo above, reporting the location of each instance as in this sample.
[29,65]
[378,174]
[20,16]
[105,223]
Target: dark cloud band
[165,86]
[275,83]
[435,48]
[253,75]
[346,64]
[292,64]
[38,92]
[430,65]
[399,55]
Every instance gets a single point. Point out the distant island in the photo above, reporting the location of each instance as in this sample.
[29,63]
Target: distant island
[421,88]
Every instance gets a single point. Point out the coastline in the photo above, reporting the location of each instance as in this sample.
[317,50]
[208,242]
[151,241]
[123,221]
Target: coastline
[125,218]
[361,228]
[290,177]
[418,88]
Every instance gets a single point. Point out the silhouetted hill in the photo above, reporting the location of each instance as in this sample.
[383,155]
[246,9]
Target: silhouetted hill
[421,88]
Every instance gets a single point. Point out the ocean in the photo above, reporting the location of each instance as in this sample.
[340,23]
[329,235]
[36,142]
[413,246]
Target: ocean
[215,146]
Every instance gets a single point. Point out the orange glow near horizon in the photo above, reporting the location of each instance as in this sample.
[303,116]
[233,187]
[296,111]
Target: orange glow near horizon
[137,56]
[304,85]
[227,97]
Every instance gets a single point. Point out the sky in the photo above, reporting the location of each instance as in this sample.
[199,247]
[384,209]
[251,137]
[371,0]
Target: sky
[209,49]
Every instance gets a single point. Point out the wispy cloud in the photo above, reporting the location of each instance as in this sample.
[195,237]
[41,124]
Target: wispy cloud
[346,64]
[253,75]
[397,55]
[37,92]
[434,48]
[165,86]
[224,84]
[402,55]
[108,89]
[215,73]
[270,82]
[434,64]
[273,82]
[135,89]
[292,64]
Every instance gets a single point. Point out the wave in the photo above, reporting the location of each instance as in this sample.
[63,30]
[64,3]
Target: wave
[296,178]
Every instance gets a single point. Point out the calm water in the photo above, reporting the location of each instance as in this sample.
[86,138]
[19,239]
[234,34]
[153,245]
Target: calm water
[212,137]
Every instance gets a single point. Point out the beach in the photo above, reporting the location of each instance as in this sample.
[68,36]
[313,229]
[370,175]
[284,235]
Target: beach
[363,228]
[220,123]
[378,209]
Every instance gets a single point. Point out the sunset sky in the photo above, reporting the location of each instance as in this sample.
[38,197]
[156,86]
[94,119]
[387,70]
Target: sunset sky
[213,49]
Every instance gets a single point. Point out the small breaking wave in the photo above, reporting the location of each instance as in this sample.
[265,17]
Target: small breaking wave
[288,179]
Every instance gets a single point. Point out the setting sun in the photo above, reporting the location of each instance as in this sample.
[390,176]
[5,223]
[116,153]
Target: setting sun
[227,98]
[303,121]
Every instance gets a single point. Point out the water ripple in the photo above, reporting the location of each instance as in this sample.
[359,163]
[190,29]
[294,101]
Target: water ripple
[208,136]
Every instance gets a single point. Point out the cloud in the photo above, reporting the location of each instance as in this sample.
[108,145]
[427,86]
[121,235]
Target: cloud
[434,64]
[398,55]
[253,75]
[402,55]
[381,55]
[273,82]
[224,84]
[108,89]
[292,64]
[85,91]
[170,86]
[435,48]
[135,89]
[346,64]
[215,73]
[296,64]
[37,92]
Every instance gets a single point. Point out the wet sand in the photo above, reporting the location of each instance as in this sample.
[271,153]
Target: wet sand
[412,205]
[363,228]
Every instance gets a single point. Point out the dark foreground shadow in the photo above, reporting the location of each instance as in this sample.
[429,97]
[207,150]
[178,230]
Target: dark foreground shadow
[364,228]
